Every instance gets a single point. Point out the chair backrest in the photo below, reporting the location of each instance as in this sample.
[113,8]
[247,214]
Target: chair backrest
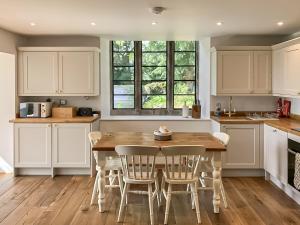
[94,137]
[138,162]
[223,137]
[182,161]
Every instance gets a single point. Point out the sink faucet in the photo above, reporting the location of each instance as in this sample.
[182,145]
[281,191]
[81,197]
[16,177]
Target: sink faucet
[230,112]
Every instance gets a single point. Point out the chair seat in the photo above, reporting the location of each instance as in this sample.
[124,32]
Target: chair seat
[138,179]
[113,163]
[179,178]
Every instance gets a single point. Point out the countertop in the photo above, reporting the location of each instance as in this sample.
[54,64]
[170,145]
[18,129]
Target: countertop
[77,119]
[284,124]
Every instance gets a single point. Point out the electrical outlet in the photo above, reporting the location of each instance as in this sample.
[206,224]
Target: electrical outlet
[62,101]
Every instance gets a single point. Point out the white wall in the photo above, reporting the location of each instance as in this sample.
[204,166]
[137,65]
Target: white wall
[7,110]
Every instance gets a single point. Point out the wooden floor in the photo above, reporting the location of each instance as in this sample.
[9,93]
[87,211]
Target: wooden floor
[43,200]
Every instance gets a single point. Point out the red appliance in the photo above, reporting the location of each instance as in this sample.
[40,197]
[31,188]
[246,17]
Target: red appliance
[286,108]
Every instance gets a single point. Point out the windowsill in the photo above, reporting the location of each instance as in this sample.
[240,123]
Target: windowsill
[150,118]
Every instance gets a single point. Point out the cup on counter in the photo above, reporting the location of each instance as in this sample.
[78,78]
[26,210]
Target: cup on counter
[95,115]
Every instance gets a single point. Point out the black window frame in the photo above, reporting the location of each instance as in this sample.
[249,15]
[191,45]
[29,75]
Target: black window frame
[170,76]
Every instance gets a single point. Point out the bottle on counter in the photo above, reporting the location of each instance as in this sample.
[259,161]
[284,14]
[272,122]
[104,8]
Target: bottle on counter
[185,110]
[196,110]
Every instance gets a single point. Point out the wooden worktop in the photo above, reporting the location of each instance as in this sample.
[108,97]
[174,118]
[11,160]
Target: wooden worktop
[109,140]
[77,119]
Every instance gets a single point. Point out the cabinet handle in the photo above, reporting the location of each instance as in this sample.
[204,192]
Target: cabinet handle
[49,125]
[274,131]
[298,93]
[56,91]
[54,125]
[60,91]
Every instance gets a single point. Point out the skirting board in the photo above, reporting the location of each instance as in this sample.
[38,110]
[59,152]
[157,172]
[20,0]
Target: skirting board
[291,192]
[243,172]
[52,171]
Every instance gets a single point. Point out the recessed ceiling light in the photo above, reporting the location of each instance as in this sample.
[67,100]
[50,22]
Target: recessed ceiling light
[32,24]
[93,23]
[280,23]
[219,23]
[154,23]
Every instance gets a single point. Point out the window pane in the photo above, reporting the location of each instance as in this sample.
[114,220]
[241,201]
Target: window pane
[184,46]
[156,101]
[123,87]
[123,45]
[184,58]
[184,87]
[123,73]
[154,73]
[123,101]
[180,99]
[154,46]
[184,73]
[123,59]
[154,59]
[154,87]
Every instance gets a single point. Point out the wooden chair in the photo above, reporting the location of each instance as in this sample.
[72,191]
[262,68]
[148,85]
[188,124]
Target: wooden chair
[138,164]
[180,173]
[206,169]
[112,164]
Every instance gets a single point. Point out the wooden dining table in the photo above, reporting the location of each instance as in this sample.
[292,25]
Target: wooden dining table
[105,147]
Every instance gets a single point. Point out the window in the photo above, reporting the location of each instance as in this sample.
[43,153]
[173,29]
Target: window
[153,76]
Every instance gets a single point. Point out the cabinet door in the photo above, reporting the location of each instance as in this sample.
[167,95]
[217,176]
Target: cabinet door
[39,72]
[243,148]
[278,70]
[292,77]
[71,147]
[276,153]
[32,145]
[76,73]
[262,72]
[235,72]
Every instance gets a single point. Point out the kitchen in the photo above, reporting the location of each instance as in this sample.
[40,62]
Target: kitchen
[64,84]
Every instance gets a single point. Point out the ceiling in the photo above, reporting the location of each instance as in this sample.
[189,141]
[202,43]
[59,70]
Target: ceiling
[183,19]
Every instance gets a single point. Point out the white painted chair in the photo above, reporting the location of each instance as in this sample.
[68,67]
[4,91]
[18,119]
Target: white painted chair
[206,169]
[138,164]
[179,172]
[113,164]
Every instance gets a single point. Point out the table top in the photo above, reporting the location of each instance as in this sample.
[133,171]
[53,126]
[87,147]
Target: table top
[108,141]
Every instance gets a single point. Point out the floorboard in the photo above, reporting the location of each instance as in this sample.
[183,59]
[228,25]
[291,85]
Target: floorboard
[42,200]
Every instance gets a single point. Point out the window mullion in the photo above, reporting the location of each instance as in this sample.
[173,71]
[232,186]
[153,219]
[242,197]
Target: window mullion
[170,75]
[138,76]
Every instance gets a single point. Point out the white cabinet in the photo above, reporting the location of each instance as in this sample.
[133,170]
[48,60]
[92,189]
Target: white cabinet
[292,70]
[70,145]
[58,71]
[278,70]
[38,73]
[32,145]
[243,151]
[241,72]
[262,72]
[275,149]
[77,72]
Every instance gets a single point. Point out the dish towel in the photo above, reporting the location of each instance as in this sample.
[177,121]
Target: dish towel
[297,171]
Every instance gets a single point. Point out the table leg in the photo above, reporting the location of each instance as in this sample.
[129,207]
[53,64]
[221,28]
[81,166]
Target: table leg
[101,161]
[217,165]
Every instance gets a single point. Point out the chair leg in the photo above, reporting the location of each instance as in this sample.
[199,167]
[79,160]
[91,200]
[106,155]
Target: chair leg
[223,194]
[122,204]
[162,188]
[95,190]
[157,192]
[168,201]
[120,179]
[196,200]
[150,194]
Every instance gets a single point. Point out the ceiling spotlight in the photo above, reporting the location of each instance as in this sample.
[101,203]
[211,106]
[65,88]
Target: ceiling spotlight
[154,23]
[158,10]
[32,24]
[219,23]
[280,23]
[93,24]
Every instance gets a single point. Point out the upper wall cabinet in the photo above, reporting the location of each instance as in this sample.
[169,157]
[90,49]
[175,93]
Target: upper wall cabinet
[64,71]
[241,71]
[286,68]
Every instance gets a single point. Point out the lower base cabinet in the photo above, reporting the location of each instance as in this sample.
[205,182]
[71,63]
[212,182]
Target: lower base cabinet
[243,150]
[52,147]
[275,146]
